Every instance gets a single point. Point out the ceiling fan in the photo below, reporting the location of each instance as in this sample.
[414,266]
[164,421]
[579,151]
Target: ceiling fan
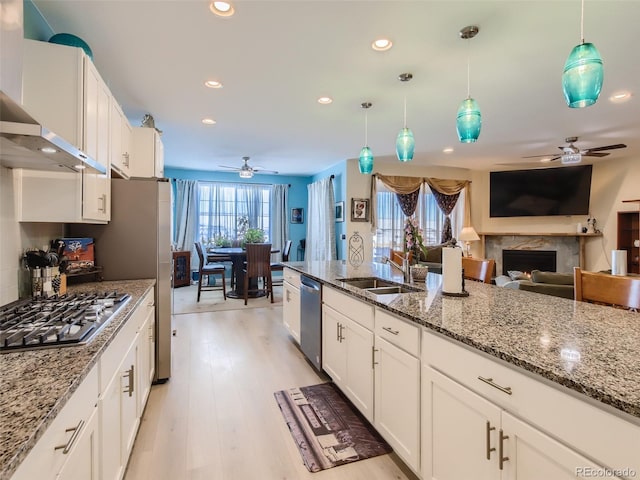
[247,171]
[572,154]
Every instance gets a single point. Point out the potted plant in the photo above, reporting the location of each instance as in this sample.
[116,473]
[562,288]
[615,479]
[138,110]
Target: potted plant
[254,235]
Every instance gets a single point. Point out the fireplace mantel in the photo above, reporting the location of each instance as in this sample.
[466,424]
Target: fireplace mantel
[581,237]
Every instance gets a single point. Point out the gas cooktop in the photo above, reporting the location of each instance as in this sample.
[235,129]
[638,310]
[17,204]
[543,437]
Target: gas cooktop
[65,320]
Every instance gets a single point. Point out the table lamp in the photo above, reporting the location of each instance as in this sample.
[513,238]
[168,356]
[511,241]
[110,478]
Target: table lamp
[468,235]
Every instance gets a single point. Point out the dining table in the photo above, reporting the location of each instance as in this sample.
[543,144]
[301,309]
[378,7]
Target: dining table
[238,258]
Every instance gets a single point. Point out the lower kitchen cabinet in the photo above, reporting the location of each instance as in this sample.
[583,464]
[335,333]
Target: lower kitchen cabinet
[70,445]
[291,302]
[397,386]
[347,348]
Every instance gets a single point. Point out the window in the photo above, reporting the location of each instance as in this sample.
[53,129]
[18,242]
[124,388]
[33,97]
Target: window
[226,210]
[390,220]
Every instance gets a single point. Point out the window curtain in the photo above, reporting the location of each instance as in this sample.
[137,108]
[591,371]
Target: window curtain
[446,193]
[186,208]
[406,188]
[389,234]
[321,241]
[279,207]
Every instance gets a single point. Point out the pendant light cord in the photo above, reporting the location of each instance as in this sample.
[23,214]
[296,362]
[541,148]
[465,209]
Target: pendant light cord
[405,110]
[582,23]
[366,142]
[469,68]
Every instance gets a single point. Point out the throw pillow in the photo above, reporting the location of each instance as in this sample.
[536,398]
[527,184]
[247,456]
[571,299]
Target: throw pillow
[517,275]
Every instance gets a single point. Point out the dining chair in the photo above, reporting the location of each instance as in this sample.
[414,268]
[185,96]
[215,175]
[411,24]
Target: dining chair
[398,255]
[206,269]
[277,267]
[606,289]
[221,258]
[258,266]
[480,270]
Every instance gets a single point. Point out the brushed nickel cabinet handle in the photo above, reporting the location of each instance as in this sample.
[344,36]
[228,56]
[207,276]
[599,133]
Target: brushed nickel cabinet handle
[373,357]
[489,381]
[391,331]
[341,333]
[130,376]
[337,331]
[76,431]
[488,440]
[501,457]
[125,160]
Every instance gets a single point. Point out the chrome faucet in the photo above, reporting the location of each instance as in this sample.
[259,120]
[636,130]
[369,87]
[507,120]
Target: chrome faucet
[404,268]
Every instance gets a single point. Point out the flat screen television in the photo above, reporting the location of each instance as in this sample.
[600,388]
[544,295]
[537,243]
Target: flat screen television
[540,192]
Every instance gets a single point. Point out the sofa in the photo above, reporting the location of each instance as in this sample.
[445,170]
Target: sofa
[433,257]
[549,283]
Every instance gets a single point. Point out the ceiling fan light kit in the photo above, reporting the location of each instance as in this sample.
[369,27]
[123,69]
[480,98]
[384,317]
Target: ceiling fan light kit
[365,160]
[583,73]
[405,143]
[469,118]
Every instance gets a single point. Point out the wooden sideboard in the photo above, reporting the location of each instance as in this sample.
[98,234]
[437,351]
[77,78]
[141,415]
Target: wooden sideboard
[181,269]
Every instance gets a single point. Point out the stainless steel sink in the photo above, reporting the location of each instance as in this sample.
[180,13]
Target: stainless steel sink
[379,286]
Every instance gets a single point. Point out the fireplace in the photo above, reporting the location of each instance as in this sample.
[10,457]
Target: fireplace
[528,260]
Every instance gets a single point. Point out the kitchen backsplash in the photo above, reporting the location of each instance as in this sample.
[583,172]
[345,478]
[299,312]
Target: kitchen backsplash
[15,238]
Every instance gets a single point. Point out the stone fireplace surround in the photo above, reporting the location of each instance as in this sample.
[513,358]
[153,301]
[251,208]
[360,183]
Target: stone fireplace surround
[569,247]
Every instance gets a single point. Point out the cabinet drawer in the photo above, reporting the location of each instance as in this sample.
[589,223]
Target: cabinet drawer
[399,332]
[292,277]
[356,310]
[115,352]
[568,416]
[45,459]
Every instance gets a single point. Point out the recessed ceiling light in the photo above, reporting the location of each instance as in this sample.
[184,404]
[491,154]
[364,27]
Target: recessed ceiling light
[325,100]
[213,84]
[448,150]
[381,44]
[620,97]
[208,121]
[48,150]
[80,167]
[222,9]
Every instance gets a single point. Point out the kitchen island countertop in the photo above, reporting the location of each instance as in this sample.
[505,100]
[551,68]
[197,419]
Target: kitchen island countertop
[36,384]
[590,349]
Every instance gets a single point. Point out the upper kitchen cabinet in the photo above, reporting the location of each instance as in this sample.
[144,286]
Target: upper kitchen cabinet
[148,153]
[120,142]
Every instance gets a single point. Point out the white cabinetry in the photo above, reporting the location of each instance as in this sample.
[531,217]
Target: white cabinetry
[120,134]
[397,385]
[125,373]
[147,153]
[484,420]
[70,444]
[291,304]
[347,347]
[79,111]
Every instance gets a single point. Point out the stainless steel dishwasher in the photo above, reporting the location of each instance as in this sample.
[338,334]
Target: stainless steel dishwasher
[311,320]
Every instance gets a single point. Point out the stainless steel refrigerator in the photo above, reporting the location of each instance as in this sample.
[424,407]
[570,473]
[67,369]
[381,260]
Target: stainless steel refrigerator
[136,244]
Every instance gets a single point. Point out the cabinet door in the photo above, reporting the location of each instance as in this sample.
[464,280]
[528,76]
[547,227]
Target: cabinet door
[120,137]
[82,462]
[459,431]
[533,455]
[397,400]
[291,310]
[359,381]
[145,376]
[128,401]
[110,407]
[334,352]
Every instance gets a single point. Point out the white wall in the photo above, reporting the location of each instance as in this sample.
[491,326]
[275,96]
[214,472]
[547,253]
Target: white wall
[612,182]
[15,238]
[359,186]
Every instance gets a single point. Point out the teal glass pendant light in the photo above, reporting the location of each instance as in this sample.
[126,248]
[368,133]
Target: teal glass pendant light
[405,143]
[365,161]
[583,73]
[469,118]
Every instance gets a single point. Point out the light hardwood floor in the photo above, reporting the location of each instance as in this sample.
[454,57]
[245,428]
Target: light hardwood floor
[217,419]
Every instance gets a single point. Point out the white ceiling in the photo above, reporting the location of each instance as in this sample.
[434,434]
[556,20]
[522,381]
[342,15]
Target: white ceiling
[276,58]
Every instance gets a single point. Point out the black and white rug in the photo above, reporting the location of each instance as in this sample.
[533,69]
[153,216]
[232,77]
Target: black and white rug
[327,428]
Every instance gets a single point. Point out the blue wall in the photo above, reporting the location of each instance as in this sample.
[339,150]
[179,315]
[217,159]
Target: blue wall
[339,170]
[297,194]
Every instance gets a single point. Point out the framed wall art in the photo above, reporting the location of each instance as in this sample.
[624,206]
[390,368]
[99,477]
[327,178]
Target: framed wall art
[359,209]
[297,215]
[340,212]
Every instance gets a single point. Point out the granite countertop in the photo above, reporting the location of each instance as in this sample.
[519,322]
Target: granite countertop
[36,384]
[589,348]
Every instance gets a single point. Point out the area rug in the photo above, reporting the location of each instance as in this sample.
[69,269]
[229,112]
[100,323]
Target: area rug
[185,301]
[328,430]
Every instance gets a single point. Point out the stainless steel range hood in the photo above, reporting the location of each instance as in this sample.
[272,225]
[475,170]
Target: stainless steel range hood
[24,143]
